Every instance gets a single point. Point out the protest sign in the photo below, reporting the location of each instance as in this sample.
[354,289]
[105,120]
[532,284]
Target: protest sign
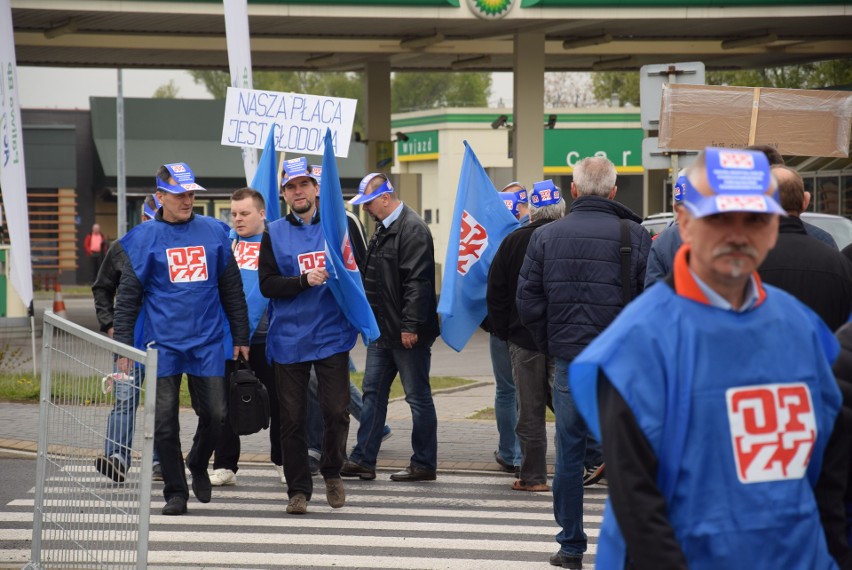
[301,121]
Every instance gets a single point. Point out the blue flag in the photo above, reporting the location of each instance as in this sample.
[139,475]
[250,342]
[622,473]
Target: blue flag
[344,279]
[480,222]
[266,178]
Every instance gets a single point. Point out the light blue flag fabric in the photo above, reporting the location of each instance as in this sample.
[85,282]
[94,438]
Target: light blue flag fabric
[266,178]
[344,279]
[480,222]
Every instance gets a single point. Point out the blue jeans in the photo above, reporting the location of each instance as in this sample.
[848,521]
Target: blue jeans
[122,420]
[571,434]
[209,400]
[505,403]
[413,367]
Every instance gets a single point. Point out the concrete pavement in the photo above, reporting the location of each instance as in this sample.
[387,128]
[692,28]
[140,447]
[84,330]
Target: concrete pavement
[463,444]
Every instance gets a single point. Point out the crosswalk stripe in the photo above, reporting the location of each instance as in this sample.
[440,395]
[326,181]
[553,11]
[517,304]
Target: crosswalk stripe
[545,516]
[459,522]
[213,560]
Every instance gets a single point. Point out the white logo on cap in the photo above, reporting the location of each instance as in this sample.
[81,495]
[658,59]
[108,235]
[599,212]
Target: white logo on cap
[190,187]
[178,168]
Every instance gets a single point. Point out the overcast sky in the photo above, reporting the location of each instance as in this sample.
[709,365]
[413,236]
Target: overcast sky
[70,88]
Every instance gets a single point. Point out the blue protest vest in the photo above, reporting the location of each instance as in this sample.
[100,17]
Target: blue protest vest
[247,252]
[309,326]
[705,385]
[179,266]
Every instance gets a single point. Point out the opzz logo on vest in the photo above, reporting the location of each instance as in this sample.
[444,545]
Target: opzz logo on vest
[187,264]
[473,240]
[247,253]
[773,430]
[312,260]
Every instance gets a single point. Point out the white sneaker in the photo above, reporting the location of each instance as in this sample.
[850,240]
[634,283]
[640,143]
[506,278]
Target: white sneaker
[280,470]
[223,478]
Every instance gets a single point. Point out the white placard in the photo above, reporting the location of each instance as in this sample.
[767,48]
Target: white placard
[301,121]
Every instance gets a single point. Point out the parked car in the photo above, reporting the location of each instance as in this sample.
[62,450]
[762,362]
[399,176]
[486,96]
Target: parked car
[839,227]
[655,223]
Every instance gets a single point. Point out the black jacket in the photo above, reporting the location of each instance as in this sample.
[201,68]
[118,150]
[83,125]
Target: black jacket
[106,285]
[569,288]
[131,293]
[843,373]
[399,279]
[503,283]
[814,273]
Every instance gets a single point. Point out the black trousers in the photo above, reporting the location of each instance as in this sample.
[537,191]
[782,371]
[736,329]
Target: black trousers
[333,392]
[228,451]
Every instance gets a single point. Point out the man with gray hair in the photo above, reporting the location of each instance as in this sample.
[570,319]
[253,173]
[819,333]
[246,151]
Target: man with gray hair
[578,274]
[531,369]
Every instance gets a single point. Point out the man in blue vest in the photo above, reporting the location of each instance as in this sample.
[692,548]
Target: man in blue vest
[306,329]
[182,272]
[248,211]
[715,399]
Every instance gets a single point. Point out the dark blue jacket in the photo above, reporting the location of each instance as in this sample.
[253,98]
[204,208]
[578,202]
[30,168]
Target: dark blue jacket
[570,284]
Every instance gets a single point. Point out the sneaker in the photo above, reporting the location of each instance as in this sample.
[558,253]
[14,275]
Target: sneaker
[298,504]
[111,467]
[157,472]
[386,433]
[567,561]
[223,478]
[175,506]
[335,494]
[593,474]
[313,464]
[280,470]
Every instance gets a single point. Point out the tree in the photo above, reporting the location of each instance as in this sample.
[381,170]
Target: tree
[411,91]
[568,90]
[166,91]
[216,82]
[832,73]
[625,84]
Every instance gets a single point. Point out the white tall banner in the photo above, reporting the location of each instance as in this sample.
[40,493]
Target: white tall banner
[13,180]
[239,60]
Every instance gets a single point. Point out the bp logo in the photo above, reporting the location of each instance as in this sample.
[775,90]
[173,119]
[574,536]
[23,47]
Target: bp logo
[490,9]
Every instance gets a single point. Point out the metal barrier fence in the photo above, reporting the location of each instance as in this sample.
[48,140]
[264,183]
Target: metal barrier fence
[89,512]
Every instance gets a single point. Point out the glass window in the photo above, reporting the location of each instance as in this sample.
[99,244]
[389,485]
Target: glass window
[828,195]
[846,184]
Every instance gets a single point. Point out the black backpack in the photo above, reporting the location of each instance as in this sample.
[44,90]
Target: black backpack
[248,400]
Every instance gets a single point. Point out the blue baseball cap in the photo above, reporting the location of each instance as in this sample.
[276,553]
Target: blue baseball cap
[680,188]
[362,198]
[511,201]
[521,193]
[294,168]
[545,193]
[738,180]
[184,177]
[147,211]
